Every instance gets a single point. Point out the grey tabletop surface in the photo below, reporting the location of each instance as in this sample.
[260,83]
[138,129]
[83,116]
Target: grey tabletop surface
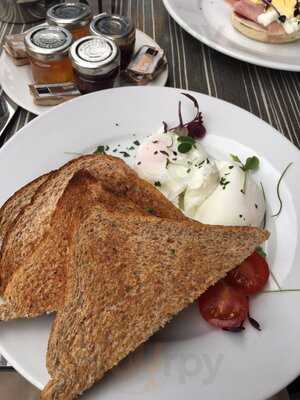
[272,95]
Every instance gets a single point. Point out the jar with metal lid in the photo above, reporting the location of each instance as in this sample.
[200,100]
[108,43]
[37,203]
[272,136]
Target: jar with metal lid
[75,17]
[96,63]
[47,48]
[119,29]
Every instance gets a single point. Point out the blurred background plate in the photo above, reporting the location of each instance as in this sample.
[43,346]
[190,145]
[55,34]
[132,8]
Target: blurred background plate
[209,22]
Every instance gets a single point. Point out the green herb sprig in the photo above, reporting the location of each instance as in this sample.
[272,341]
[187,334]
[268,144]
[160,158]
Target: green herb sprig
[101,149]
[186,144]
[251,164]
[261,251]
[278,190]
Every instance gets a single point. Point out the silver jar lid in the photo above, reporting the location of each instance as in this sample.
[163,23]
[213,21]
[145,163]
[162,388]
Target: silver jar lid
[69,15]
[48,42]
[115,27]
[92,55]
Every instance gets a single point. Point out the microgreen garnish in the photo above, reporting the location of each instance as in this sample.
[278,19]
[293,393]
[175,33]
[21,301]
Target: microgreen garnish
[265,201]
[184,147]
[157,184]
[136,142]
[278,190]
[125,154]
[186,139]
[180,115]
[186,144]
[193,128]
[261,251]
[254,323]
[251,164]
[131,148]
[101,149]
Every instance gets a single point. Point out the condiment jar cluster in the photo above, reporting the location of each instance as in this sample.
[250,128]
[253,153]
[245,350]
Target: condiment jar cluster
[74,46]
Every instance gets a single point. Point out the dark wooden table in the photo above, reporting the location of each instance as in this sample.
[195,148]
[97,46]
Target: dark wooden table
[272,95]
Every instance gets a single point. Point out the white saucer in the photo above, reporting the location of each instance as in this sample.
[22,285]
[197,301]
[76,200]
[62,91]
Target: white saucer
[15,80]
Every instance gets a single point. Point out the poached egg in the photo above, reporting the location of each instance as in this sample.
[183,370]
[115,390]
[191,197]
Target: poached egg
[207,190]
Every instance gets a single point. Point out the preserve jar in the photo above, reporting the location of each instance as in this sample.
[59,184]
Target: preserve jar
[75,17]
[47,48]
[119,29]
[96,63]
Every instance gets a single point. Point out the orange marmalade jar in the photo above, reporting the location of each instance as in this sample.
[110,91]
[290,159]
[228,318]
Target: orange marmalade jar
[75,17]
[47,48]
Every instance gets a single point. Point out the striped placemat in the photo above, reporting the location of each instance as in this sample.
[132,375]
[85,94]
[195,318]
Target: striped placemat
[272,95]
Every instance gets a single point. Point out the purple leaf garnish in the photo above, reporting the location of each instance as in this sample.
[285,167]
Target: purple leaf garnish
[180,115]
[194,128]
[254,323]
[192,98]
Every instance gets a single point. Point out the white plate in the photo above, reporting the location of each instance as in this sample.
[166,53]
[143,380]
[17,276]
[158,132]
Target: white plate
[209,22]
[187,359]
[15,80]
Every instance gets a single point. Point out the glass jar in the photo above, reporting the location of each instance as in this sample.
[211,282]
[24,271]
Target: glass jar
[96,63]
[47,48]
[75,17]
[119,29]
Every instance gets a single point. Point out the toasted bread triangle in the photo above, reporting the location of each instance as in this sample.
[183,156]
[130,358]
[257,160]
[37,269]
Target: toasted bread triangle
[129,276]
[34,220]
[37,286]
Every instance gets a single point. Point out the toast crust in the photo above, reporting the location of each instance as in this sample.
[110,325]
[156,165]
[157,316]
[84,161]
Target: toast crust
[12,207]
[259,33]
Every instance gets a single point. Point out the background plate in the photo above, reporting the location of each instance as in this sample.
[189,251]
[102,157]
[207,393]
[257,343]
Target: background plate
[15,80]
[209,22]
[188,358]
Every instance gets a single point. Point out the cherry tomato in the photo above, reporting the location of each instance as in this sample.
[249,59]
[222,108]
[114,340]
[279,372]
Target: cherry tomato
[224,306]
[251,276]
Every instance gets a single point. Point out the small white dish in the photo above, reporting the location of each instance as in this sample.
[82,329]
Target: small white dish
[15,80]
[188,359]
[209,22]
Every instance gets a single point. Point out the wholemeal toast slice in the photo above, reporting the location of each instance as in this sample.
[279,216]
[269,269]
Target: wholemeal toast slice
[128,277]
[12,207]
[33,222]
[38,285]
